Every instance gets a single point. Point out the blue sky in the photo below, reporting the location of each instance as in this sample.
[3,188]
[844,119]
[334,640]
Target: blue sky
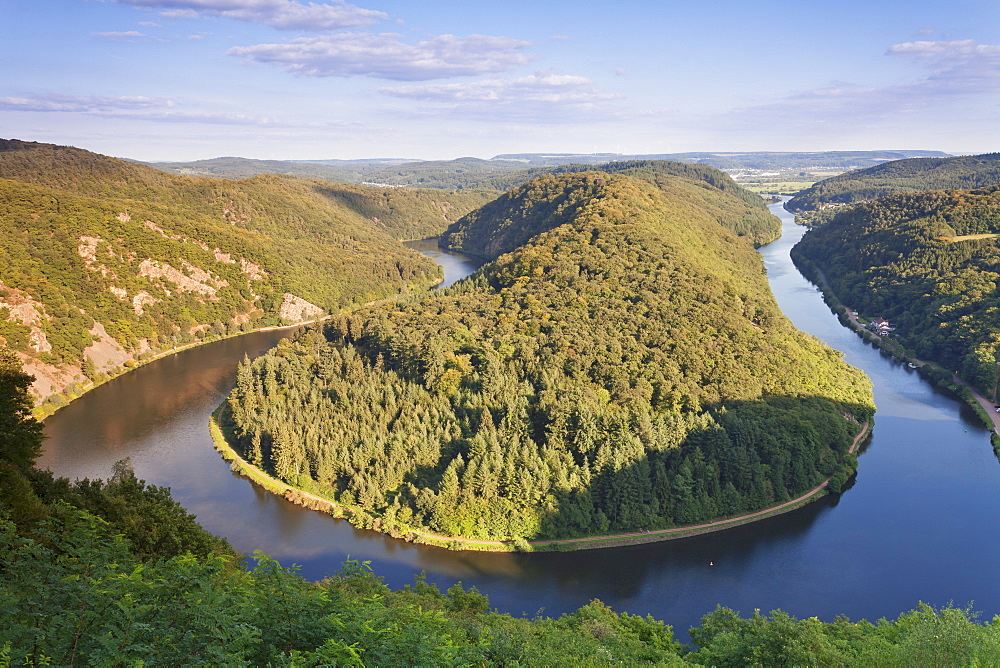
[290,79]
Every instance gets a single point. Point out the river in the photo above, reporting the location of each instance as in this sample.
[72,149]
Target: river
[919,524]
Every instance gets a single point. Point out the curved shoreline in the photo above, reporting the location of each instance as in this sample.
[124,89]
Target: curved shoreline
[308,499]
[40,411]
[982,406]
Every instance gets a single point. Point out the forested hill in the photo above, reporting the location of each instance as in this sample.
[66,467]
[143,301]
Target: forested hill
[104,260]
[512,219]
[626,368]
[661,173]
[898,176]
[927,262]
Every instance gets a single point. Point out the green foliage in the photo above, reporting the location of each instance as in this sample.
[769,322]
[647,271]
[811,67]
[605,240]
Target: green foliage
[929,263]
[20,443]
[900,176]
[77,589]
[922,637]
[158,259]
[20,434]
[554,196]
[625,368]
[145,515]
[75,595]
[407,213]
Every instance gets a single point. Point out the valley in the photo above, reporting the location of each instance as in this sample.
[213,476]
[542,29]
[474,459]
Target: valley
[166,439]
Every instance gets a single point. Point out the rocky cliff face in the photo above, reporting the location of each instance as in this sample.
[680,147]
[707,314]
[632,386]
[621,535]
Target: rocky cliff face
[145,286]
[296,309]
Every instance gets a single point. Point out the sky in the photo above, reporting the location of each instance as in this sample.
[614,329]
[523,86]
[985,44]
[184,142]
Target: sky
[178,80]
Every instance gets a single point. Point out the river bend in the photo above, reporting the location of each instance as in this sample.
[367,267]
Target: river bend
[919,524]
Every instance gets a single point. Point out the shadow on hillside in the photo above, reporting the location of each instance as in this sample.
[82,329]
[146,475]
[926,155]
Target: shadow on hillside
[754,455]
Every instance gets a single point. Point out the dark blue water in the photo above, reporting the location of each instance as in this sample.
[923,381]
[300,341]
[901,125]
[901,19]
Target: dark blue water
[918,525]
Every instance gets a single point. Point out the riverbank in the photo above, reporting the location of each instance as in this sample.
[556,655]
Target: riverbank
[932,371]
[364,520]
[47,408]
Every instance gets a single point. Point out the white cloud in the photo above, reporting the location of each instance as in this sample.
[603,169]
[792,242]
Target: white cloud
[133,108]
[281,14]
[127,35]
[179,14]
[542,97]
[935,54]
[554,88]
[77,104]
[958,69]
[385,56]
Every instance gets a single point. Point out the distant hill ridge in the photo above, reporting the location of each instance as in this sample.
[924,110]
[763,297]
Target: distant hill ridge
[490,231]
[506,171]
[911,175]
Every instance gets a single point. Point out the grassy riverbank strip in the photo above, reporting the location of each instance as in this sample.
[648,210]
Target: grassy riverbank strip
[364,520]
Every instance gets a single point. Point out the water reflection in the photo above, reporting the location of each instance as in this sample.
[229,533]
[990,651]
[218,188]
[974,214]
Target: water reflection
[456,265]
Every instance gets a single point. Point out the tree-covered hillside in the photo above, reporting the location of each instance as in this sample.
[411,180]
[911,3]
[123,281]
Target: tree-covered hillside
[103,259]
[899,176]
[624,368]
[406,213]
[929,263]
[518,215]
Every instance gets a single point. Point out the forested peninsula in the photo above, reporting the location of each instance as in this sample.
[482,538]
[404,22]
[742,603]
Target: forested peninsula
[927,262]
[621,365]
[899,176]
[106,262]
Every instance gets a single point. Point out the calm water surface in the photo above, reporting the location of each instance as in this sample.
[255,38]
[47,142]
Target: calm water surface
[919,524]
[456,265]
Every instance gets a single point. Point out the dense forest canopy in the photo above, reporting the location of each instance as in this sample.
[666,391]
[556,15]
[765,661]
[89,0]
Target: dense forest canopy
[929,263]
[622,365]
[899,176]
[96,249]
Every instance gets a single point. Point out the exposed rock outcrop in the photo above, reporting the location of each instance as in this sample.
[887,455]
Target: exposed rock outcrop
[296,309]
